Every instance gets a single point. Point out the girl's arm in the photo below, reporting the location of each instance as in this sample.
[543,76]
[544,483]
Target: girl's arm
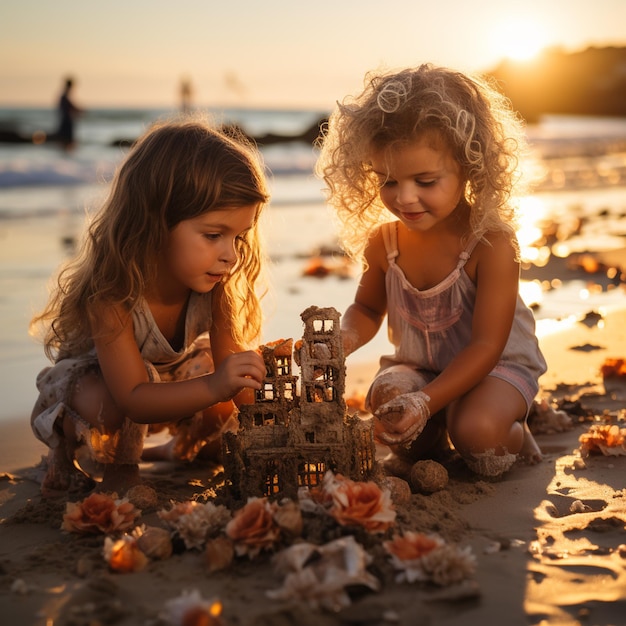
[142,401]
[363,317]
[223,345]
[497,282]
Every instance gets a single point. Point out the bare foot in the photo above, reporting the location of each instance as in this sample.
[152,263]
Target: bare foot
[162,452]
[62,476]
[530,451]
[119,478]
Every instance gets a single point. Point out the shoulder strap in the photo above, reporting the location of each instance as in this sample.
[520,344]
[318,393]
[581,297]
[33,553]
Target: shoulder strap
[467,252]
[390,238]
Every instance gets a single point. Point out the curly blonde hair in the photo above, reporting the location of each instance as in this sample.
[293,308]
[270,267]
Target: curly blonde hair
[179,169]
[473,119]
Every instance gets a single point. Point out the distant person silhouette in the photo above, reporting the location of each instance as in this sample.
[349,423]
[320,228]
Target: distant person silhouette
[68,112]
[186,95]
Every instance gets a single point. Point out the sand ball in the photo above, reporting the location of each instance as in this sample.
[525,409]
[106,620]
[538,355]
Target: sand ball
[428,476]
[142,496]
[396,466]
[398,488]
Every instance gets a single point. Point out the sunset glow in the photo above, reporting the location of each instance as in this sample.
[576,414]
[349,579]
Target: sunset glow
[519,38]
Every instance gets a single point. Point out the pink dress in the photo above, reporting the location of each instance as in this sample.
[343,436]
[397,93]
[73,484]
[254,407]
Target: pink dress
[430,327]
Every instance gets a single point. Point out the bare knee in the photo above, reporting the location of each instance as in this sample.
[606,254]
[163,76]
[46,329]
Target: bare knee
[477,431]
[91,399]
[393,382]
[488,418]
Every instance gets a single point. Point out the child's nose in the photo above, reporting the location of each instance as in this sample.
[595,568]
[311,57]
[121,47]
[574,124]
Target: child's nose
[407,194]
[229,253]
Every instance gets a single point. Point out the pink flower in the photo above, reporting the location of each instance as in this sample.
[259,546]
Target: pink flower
[99,513]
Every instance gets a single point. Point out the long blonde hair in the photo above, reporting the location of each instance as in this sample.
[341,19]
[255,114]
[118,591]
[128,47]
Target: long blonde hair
[472,118]
[176,171]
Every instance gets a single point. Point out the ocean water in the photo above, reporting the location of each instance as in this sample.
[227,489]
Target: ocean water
[45,195]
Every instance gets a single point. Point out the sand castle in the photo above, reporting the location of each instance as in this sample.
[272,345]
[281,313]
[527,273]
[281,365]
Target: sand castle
[296,430]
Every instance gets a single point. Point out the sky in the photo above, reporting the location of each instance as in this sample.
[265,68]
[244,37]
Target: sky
[270,53]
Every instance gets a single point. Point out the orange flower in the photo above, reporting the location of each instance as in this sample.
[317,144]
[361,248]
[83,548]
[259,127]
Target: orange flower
[411,545]
[99,513]
[253,527]
[356,401]
[359,503]
[613,367]
[610,440]
[420,557]
[124,554]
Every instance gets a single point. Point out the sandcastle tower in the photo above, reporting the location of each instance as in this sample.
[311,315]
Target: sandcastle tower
[293,434]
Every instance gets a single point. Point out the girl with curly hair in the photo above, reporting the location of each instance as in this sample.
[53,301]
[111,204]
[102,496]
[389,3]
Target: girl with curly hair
[438,151]
[151,322]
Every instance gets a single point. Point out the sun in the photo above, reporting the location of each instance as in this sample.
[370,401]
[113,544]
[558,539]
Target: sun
[518,38]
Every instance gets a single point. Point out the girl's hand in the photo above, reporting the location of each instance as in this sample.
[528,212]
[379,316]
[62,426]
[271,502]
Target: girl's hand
[236,372]
[402,419]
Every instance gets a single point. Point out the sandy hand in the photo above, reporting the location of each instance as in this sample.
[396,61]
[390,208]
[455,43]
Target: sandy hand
[403,418]
[239,371]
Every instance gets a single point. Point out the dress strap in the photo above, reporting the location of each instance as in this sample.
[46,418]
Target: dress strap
[390,238]
[467,252]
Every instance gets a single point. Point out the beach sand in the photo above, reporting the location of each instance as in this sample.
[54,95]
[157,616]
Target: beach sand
[549,540]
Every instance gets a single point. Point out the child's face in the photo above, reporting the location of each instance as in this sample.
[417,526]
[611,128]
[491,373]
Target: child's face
[201,251]
[420,182]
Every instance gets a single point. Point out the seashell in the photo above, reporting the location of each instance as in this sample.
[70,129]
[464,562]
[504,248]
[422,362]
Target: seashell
[195,522]
[154,542]
[99,513]
[19,587]
[219,553]
[399,490]
[428,476]
[546,419]
[123,555]
[320,575]
[191,609]
[449,565]
[420,557]
[579,507]
[288,517]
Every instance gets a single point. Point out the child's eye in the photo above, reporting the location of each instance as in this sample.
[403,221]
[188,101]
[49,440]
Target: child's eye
[212,236]
[425,183]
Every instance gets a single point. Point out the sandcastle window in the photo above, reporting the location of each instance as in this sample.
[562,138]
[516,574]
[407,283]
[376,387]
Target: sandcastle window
[309,437]
[289,395]
[272,481]
[311,474]
[323,326]
[264,419]
[283,365]
[320,393]
[266,394]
